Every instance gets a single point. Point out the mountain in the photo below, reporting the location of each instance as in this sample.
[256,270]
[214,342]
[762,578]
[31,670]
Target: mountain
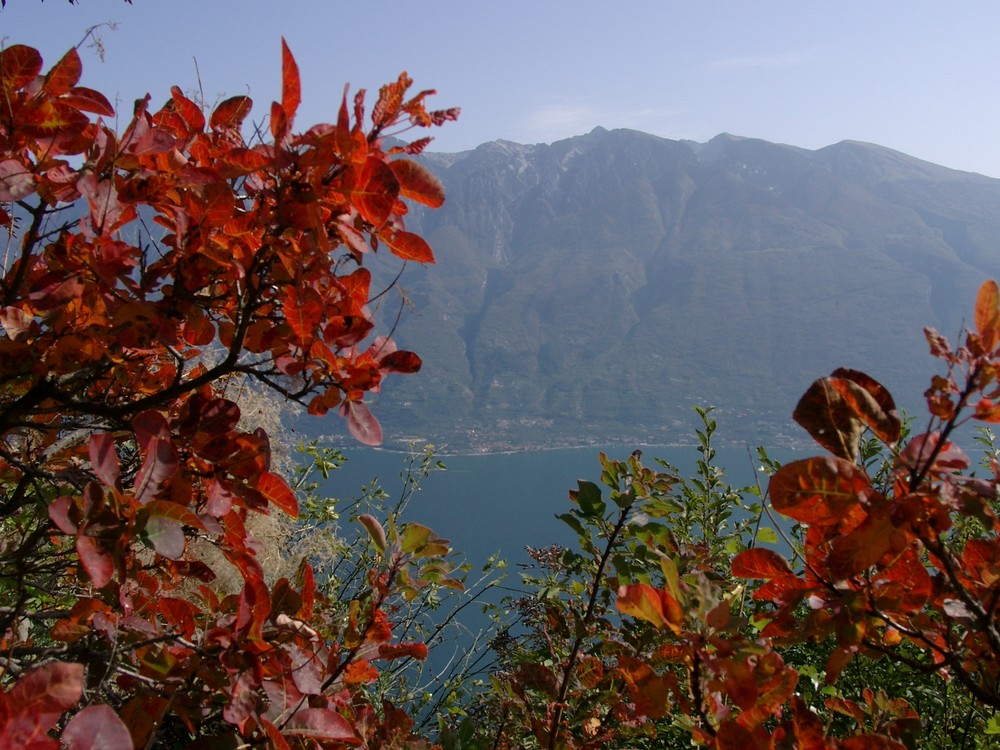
[595,289]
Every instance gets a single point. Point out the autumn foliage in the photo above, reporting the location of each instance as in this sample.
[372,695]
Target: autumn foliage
[194,257]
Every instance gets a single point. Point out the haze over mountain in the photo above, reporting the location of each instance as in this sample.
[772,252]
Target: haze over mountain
[593,290]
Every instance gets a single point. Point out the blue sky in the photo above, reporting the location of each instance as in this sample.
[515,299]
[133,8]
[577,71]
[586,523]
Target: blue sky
[920,77]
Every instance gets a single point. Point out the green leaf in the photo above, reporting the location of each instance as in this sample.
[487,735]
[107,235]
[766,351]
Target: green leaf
[767,535]
[415,537]
[570,520]
[993,725]
[588,496]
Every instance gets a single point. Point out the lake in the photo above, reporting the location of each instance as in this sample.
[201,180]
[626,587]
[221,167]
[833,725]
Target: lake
[502,502]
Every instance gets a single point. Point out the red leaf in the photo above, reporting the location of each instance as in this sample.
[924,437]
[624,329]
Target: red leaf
[323,402]
[39,698]
[390,99]
[865,545]
[96,728]
[149,425]
[64,75]
[649,691]
[821,490]
[254,604]
[906,583]
[279,122]
[840,657]
[104,458]
[88,100]
[806,727]
[732,736]
[400,361]
[243,700]
[291,90]
[59,510]
[159,465]
[19,66]
[760,563]
[277,492]
[417,183]
[100,566]
[321,723]
[361,423]
[189,111]
[231,113]
[408,246]
[54,117]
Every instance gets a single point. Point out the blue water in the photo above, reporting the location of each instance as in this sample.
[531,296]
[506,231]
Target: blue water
[503,502]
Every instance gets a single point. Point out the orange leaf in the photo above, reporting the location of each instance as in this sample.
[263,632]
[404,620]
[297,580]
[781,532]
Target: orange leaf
[408,246]
[373,189]
[303,312]
[396,650]
[189,111]
[231,113]
[417,183]
[988,314]
[855,552]
[652,605]
[760,563]
[359,672]
[390,99]
[243,161]
[821,490]
[291,91]
[278,493]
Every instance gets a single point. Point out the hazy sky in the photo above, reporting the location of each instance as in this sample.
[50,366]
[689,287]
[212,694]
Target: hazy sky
[920,77]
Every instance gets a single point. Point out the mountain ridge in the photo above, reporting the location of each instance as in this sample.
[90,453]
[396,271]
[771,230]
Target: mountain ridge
[594,289]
